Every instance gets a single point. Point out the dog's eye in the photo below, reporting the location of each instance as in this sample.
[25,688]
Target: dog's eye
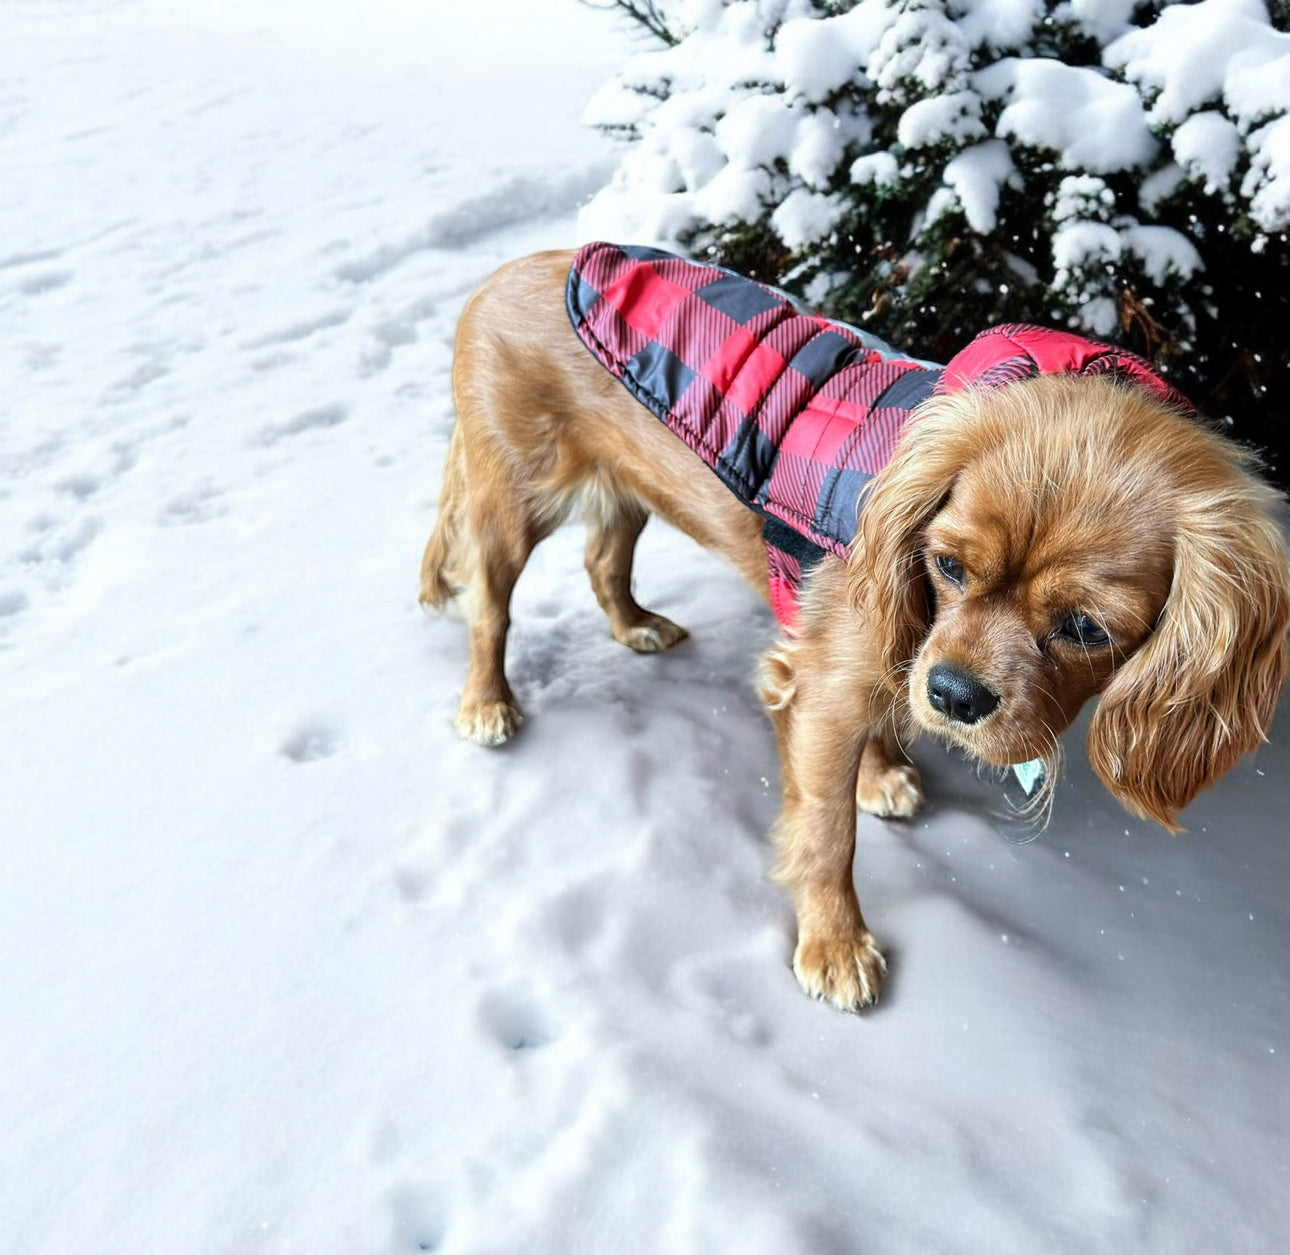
[1083,630]
[951,568]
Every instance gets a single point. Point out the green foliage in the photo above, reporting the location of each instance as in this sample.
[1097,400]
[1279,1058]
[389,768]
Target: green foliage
[1155,254]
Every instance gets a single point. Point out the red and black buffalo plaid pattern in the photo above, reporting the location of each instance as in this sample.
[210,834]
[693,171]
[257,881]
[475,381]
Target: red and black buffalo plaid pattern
[795,413]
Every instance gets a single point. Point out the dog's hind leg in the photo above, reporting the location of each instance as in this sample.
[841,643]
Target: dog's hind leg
[480,576]
[441,576]
[474,556]
[615,524]
[502,539]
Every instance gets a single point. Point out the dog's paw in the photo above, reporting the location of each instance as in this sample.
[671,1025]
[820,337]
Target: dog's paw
[652,634]
[845,971]
[896,792]
[489,723]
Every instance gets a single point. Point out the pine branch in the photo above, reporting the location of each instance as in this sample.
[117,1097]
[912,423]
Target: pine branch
[648,13]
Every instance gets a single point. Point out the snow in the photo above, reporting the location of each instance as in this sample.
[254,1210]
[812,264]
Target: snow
[817,148]
[756,131]
[291,968]
[1267,182]
[1161,251]
[818,56]
[736,124]
[954,116]
[1220,52]
[1091,122]
[1102,19]
[805,217]
[879,167]
[1200,53]
[1207,146]
[997,23]
[920,51]
[977,175]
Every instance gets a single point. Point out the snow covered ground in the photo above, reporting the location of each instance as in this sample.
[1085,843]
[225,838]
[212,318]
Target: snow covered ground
[289,968]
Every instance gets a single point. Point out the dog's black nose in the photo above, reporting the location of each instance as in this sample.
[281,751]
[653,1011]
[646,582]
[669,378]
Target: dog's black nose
[959,695]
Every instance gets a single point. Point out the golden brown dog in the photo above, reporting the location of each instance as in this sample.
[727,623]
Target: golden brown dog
[1039,544]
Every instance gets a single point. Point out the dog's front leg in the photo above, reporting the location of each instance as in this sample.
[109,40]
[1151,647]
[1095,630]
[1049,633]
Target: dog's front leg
[821,727]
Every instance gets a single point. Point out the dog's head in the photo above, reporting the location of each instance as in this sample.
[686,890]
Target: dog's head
[1031,546]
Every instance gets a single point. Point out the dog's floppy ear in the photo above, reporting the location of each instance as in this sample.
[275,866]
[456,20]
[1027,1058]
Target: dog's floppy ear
[1202,689]
[887,582]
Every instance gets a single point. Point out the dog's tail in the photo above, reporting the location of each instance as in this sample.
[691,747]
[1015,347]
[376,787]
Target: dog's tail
[441,573]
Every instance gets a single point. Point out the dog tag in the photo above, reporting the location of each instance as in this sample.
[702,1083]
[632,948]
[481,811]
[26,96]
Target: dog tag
[1029,775]
[1017,821]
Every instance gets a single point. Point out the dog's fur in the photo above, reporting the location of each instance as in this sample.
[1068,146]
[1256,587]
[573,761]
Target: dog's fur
[1075,506]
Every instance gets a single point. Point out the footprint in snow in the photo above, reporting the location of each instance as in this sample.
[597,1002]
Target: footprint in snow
[517,1023]
[311,741]
[302,330]
[417,870]
[575,917]
[81,486]
[199,504]
[45,281]
[12,603]
[35,258]
[416,1218]
[307,420]
[57,544]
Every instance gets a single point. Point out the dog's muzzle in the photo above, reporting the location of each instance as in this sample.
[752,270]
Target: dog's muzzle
[959,695]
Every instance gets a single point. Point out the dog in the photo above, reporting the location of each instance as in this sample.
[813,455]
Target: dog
[1031,542]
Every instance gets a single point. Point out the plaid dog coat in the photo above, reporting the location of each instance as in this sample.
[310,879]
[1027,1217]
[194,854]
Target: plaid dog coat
[795,413]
